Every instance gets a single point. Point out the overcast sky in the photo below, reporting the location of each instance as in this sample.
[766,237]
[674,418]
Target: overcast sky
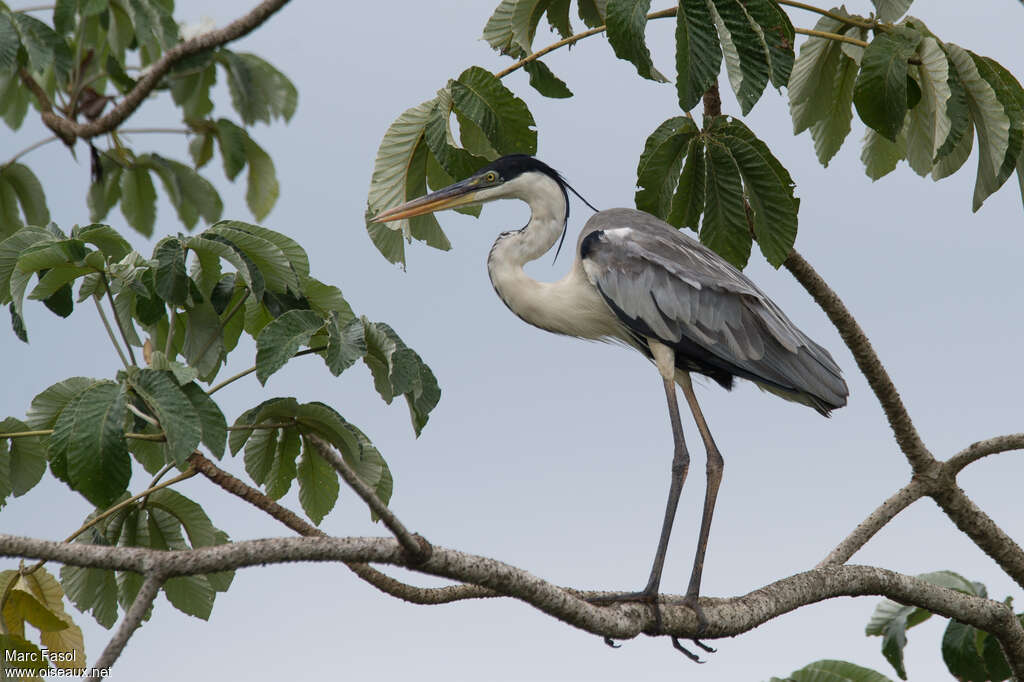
[553,454]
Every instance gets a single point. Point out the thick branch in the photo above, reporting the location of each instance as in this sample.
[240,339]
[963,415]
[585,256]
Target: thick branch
[867,360]
[131,622]
[383,582]
[867,528]
[726,617]
[69,130]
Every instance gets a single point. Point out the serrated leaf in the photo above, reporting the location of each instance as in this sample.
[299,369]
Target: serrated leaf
[203,347]
[282,471]
[213,426]
[880,93]
[929,123]
[88,442]
[698,52]
[1011,97]
[262,188]
[957,146]
[138,199]
[627,22]
[22,460]
[259,92]
[44,47]
[259,454]
[155,29]
[106,239]
[592,12]
[232,143]
[200,148]
[10,43]
[398,370]
[93,590]
[891,10]
[961,654]
[688,201]
[191,92]
[172,281]
[745,51]
[660,163]
[504,118]
[172,408]
[835,671]
[346,343]
[279,340]
[827,106]
[724,228]
[318,483]
[30,193]
[777,32]
[270,260]
[879,155]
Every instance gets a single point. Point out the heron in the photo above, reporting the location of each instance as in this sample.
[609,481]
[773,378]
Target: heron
[642,283]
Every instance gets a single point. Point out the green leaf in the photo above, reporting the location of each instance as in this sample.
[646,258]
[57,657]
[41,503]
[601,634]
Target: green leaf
[282,471]
[233,142]
[172,408]
[155,29]
[504,118]
[891,10]
[698,53]
[747,59]
[91,589]
[270,260]
[346,343]
[259,454]
[210,246]
[262,188]
[203,347]
[172,282]
[498,29]
[777,32]
[879,155]
[200,148]
[318,483]
[724,228]
[957,146]
[212,424]
[105,238]
[929,124]
[11,249]
[544,81]
[191,92]
[44,47]
[834,671]
[296,255]
[688,202]
[22,460]
[961,653]
[29,191]
[398,370]
[880,93]
[1010,95]
[995,662]
[10,43]
[658,170]
[259,92]
[627,21]
[138,199]
[10,219]
[48,405]
[278,342]
[558,17]
[14,98]
[189,193]
[388,185]
[769,188]
[88,439]
[592,12]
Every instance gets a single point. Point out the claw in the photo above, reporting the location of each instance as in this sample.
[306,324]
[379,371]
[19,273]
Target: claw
[704,646]
[611,642]
[689,654]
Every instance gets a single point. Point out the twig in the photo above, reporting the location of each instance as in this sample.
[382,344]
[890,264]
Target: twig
[831,36]
[247,372]
[867,360]
[130,623]
[110,331]
[383,582]
[983,448]
[141,131]
[26,150]
[69,130]
[416,545]
[853,21]
[117,319]
[867,528]
[142,415]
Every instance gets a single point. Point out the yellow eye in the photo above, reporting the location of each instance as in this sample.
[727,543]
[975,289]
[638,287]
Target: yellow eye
[491,177]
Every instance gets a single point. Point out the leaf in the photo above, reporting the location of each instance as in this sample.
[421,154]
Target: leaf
[778,34]
[29,191]
[203,346]
[688,201]
[138,199]
[44,47]
[880,93]
[88,439]
[504,118]
[105,238]
[318,483]
[91,589]
[178,418]
[346,343]
[10,43]
[11,249]
[294,253]
[282,471]
[929,123]
[961,654]
[724,228]
[191,92]
[262,188]
[835,671]
[155,30]
[26,458]
[746,53]
[259,92]
[48,405]
[957,146]
[698,53]
[398,370]
[270,260]
[891,10]
[213,426]
[879,155]
[259,454]
[278,342]
[592,12]
[660,164]
[172,282]
[66,640]
[544,81]
[627,21]
[232,142]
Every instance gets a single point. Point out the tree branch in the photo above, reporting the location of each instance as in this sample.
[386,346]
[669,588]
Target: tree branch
[131,622]
[910,443]
[983,448]
[383,582]
[68,130]
[877,520]
[415,544]
[726,617]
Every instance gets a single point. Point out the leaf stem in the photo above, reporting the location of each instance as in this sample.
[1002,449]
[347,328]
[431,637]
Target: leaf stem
[117,319]
[32,147]
[247,372]
[853,21]
[169,343]
[831,36]
[110,331]
[140,131]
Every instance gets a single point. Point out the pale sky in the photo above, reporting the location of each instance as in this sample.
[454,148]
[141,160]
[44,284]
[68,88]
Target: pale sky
[550,453]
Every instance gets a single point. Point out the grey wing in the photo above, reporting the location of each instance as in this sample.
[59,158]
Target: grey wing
[665,285]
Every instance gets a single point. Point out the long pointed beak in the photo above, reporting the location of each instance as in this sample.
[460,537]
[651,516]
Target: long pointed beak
[453,196]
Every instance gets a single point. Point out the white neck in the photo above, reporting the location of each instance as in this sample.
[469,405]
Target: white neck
[569,306]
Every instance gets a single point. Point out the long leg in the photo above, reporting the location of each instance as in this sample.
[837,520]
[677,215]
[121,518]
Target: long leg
[714,471]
